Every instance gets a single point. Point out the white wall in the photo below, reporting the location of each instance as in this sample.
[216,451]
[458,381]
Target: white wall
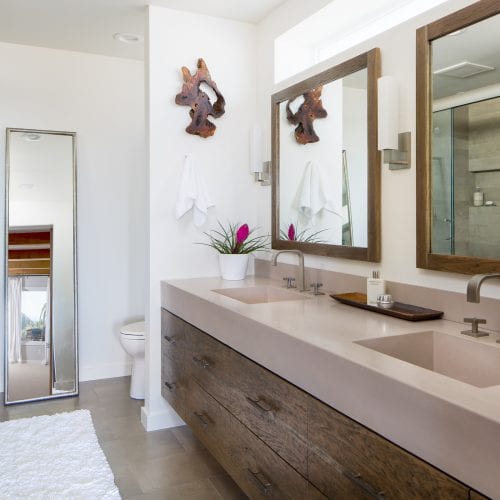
[398,188]
[102,100]
[178,39]
[345,127]
[356,146]
[326,154]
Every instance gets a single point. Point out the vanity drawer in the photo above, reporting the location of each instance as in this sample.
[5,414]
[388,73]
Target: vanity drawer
[208,420]
[208,361]
[173,383]
[172,333]
[273,409]
[376,467]
[259,471]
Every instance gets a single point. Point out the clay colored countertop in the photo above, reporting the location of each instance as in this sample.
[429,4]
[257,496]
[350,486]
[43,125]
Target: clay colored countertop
[450,424]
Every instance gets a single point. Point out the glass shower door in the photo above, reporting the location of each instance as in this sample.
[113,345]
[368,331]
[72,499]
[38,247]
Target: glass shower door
[442,232]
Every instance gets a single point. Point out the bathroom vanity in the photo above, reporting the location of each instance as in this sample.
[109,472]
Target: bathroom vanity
[281,393]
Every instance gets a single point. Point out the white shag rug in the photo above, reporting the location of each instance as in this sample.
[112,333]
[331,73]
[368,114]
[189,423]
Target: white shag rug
[54,457]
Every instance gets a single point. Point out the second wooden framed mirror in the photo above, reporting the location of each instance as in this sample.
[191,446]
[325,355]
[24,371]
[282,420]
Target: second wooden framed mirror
[458,133]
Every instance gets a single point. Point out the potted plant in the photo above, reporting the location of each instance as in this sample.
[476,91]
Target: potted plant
[234,244]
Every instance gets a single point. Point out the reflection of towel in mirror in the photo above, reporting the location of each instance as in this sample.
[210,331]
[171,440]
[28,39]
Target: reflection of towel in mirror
[315,194]
[192,194]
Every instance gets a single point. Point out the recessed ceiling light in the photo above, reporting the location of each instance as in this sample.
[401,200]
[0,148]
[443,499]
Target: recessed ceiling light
[32,136]
[455,33]
[26,187]
[128,37]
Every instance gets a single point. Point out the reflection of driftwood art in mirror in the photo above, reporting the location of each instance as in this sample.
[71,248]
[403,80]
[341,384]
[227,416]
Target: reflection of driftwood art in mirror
[326,198]
[192,95]
[308,111]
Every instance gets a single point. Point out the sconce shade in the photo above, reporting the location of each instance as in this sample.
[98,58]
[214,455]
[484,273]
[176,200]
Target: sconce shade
[388,113]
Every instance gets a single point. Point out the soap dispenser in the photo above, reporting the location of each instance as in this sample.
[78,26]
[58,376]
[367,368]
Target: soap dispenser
[478,200]
[374,287]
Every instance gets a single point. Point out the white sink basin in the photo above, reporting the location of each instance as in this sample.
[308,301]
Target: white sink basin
[260,294]
[466,360]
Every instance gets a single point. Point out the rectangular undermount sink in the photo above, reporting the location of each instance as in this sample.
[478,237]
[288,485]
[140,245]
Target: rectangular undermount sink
[260,294]
[461,359]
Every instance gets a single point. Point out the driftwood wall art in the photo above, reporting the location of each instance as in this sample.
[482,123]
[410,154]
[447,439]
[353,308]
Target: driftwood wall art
[308,111]
[201,107]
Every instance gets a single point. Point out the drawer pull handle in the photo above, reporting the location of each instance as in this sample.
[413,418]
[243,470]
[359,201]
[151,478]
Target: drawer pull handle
[361,483]
[261,481]
[169,386]
[169,339]
[202,418]
[202,362]
[260,404]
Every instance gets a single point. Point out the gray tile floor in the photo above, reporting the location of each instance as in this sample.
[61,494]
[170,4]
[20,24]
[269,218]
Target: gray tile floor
[160,465]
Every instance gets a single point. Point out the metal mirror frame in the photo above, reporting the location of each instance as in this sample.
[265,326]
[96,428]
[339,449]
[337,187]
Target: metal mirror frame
[9,130]
[368,60]
[460,19]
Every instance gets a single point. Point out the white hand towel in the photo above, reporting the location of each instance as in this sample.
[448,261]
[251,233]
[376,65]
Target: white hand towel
[315,194]
[193,194]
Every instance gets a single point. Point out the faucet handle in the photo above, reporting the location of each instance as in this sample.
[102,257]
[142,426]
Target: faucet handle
[316,287]
[290,282]
[474,331]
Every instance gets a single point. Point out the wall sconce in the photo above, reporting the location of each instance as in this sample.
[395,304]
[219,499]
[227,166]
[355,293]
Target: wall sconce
[260,169]
[395,145]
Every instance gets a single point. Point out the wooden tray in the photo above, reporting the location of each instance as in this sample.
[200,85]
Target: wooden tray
[398,310]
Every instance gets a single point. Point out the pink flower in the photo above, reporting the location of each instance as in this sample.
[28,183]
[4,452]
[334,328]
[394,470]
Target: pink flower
[291,232]
[242,234]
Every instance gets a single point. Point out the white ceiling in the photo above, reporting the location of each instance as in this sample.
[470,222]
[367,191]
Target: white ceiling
[45,166]
[89,25]
[476,44]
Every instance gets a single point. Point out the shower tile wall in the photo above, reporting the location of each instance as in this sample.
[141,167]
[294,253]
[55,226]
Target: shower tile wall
[484,162]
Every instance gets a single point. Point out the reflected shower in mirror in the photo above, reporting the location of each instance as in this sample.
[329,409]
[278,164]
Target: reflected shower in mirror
[40,322]
[465,142]
[326,198]
[458,132]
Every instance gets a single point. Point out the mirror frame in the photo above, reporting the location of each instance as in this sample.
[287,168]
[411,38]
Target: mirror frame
[368,60]
[6,263]
[462,18]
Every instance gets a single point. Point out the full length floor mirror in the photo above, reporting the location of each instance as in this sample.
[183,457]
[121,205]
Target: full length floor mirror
[40,321]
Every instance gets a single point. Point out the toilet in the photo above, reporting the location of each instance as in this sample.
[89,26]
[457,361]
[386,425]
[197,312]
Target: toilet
[132,340]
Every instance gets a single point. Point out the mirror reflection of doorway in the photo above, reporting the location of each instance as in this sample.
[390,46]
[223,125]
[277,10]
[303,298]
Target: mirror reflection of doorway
[29,312]
[41,317]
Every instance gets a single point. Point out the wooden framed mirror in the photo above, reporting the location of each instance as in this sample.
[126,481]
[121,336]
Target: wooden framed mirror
[458,137]
[325,162]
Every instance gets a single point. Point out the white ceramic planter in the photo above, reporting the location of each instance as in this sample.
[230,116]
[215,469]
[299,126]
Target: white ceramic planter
[233,266]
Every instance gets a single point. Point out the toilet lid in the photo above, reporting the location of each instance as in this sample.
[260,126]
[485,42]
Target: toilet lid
[134,329]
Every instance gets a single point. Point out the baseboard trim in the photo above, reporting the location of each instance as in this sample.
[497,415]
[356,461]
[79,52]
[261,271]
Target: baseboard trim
[107,370]
[156,420]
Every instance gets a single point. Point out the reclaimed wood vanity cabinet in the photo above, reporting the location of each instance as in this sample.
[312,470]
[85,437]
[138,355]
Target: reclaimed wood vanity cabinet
[278,441]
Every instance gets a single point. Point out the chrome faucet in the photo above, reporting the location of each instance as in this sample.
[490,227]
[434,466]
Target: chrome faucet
[301,278]
[474,286]
[474,296]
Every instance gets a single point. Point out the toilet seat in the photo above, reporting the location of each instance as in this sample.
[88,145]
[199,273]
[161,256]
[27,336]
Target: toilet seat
[134,330]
